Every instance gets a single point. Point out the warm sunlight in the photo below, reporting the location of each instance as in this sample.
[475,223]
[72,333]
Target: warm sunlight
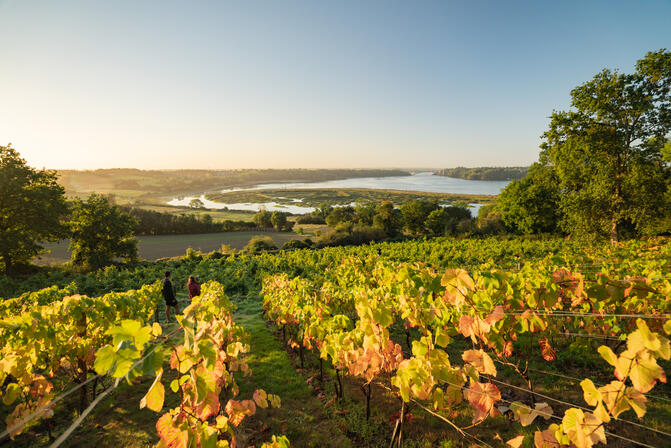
[335,224]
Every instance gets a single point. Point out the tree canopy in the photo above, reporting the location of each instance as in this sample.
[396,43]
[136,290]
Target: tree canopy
[601,170]
[530,205]
[31,207]
[100,233]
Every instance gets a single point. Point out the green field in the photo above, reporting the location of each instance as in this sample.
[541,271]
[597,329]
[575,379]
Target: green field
[217,215]
[161,246]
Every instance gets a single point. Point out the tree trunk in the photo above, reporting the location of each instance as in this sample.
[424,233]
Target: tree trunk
[8,263]
[613,230]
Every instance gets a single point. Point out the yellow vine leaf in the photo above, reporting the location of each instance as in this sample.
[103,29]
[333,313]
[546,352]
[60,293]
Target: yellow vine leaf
[584,430]
[591,393]
[515,442]
[155,395]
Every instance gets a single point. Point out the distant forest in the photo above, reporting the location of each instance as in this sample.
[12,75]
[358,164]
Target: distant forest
[485,172]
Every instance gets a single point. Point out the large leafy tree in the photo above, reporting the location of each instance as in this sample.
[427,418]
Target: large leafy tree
[100,233]
[31,207]
[415,213]
[388,218]
[606,152]
[530,205]
[446,220]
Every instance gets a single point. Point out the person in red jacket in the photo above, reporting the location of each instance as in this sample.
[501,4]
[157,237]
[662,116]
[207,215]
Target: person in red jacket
[193,287]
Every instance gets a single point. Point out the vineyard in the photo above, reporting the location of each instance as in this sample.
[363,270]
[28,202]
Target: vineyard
[436,342]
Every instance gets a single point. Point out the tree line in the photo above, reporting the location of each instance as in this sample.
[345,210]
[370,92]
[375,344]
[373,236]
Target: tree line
[149,222]
[372,221]
[485,172]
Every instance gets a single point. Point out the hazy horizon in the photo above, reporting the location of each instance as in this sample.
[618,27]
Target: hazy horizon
[381,84]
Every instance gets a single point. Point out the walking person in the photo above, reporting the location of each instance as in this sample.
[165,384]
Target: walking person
[169,296]
[193,287]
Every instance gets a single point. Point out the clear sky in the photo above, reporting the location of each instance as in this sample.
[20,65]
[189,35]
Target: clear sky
[281,83]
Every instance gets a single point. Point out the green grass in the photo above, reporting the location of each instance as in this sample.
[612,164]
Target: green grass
[301,418]
[161,246]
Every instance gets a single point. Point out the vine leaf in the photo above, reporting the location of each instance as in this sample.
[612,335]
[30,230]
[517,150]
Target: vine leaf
[548,352]
[515,442]
[260,398]
[584,430]
[155,395]
[238,410]
[480,360]
[173,436]
[483,396]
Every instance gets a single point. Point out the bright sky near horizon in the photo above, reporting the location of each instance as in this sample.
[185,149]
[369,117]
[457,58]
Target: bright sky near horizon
[278,84]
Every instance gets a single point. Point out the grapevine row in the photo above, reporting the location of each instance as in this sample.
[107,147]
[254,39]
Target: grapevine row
[347,316]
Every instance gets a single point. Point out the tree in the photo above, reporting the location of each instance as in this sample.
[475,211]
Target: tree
[31,207]
[387,218]
[323,210]
[365,213]
[489,220]
[262,218]
[448,220]
[278,220]
[340,214]
[531,205]
[606,152]
[415,213]
[196,203]
[437,221]
[100,233]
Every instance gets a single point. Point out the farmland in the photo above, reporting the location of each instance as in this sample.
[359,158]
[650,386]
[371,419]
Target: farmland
[161,246]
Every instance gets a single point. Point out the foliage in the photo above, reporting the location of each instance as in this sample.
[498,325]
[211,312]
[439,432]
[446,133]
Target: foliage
[149,222]
[349,234]
[415,214]
[263,219]
[447,220]
[100,233]
[259,244]
[531,205]
[485,172]
[31,207]
[606,152]
[340,214]
[278,220]
[49,344]
[388,218]
[212,350]
[295,244]
[490,221]
[346,313]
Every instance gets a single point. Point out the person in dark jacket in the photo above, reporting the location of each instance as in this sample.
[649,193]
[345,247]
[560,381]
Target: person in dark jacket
[169,296]
[193,287]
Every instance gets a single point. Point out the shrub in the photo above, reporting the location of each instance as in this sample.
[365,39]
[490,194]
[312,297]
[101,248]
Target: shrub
[295,244]
[259,244]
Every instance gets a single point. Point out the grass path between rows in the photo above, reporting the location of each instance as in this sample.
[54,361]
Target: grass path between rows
[301,417]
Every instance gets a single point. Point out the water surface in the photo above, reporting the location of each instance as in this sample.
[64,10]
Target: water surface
[422,182]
